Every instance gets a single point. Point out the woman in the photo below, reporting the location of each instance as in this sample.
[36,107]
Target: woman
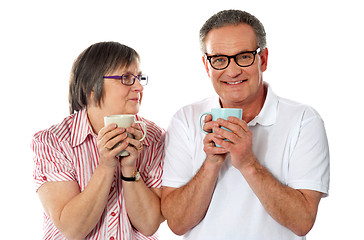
[87,192]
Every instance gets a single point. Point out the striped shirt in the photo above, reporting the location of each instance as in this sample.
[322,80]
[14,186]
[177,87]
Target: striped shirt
[68,152]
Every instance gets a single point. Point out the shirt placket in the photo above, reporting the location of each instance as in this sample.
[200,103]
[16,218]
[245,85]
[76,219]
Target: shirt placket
[113,212]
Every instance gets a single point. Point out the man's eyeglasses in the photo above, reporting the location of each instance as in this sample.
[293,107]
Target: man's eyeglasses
[243,59]
[129,79]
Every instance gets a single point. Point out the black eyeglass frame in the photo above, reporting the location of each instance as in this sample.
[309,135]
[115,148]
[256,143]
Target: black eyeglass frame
[255,52]
[143,79]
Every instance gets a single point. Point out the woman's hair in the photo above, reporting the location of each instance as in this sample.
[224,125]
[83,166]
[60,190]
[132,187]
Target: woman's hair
[91,66]
[233,17]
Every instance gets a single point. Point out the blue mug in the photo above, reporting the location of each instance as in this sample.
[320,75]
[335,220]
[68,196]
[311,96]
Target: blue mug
[223,113]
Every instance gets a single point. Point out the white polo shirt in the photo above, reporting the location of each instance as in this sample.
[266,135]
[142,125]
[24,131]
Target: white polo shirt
[289,140]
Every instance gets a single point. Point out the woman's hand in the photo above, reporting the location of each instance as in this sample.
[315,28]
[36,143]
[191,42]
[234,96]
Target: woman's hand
[134,146]
[108,145]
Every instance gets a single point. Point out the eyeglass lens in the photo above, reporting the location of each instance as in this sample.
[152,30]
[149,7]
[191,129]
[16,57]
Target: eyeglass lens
[129,79]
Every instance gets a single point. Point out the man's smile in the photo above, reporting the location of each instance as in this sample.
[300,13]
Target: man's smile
[235,83]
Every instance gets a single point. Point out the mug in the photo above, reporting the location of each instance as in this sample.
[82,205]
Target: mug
[125,120]
[223,113]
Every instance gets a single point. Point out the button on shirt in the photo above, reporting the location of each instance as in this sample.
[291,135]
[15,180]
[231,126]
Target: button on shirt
[289,140]
[68,152]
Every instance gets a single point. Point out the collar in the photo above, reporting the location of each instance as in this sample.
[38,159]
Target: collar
[81,128]
[267,116]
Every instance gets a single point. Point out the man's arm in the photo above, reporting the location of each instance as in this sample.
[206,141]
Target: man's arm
[186,206]
[295,209]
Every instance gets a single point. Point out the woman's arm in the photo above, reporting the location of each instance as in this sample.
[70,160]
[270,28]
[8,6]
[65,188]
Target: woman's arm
[142,203]
[73,212]
[76,213]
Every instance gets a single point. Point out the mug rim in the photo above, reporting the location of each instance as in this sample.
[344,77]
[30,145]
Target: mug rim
[226,109]
[119,115]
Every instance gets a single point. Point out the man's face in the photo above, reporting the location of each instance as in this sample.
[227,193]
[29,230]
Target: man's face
[236,86]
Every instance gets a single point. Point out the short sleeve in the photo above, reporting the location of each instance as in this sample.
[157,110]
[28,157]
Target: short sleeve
[178,168]
[50,162]
[309,164]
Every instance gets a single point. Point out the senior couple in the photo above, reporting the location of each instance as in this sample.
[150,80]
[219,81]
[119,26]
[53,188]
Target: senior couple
[265,182]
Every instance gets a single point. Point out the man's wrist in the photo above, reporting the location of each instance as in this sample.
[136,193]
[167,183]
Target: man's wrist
[212,165]
[251,168]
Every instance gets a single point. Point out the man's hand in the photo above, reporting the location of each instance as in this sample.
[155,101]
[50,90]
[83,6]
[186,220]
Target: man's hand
[238,142]
[213,153]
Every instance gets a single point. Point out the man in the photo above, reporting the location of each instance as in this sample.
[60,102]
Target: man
[267,180]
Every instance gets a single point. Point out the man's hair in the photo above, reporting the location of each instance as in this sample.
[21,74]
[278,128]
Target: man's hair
[233,17]
[91,66]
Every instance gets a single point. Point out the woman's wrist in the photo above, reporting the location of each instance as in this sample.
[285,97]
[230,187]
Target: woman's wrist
[128,171]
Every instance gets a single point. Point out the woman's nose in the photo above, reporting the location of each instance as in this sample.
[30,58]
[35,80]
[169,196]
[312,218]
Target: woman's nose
[138,86]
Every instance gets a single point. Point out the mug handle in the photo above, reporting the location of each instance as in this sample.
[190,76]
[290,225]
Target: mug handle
[202,115]
[144,126]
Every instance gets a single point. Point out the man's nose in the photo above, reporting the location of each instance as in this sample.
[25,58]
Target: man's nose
[233,69]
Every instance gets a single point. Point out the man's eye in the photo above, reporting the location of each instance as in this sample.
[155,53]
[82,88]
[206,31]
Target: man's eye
[219,60]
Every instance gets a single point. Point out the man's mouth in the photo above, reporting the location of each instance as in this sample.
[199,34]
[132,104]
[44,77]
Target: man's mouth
[235,83]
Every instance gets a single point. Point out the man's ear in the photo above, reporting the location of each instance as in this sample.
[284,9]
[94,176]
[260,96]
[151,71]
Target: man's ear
[264,59]
[206,63]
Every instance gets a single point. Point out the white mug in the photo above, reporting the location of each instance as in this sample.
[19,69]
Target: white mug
[124,121]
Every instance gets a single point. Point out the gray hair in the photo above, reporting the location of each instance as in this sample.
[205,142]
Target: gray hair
[233,17]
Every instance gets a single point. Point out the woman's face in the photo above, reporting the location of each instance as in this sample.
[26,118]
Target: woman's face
[119,98]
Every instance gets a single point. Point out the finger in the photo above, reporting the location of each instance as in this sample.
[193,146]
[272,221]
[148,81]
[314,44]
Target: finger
[212,149]
[224,134]
[135,130]
[208,118]
[108,136]
[132,150]
[235,125]
[223,143]
[109,132]
[207,127]
[210,146]
[239,122]
[106,129]
[115,141]
[134,143]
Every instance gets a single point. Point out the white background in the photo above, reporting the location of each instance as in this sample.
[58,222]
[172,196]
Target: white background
[315,57]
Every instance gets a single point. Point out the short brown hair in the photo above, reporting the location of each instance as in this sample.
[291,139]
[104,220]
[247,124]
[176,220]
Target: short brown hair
[90,67]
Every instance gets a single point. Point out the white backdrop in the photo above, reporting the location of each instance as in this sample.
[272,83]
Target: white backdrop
[315,57]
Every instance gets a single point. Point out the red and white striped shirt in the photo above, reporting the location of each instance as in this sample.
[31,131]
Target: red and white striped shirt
[68,152]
